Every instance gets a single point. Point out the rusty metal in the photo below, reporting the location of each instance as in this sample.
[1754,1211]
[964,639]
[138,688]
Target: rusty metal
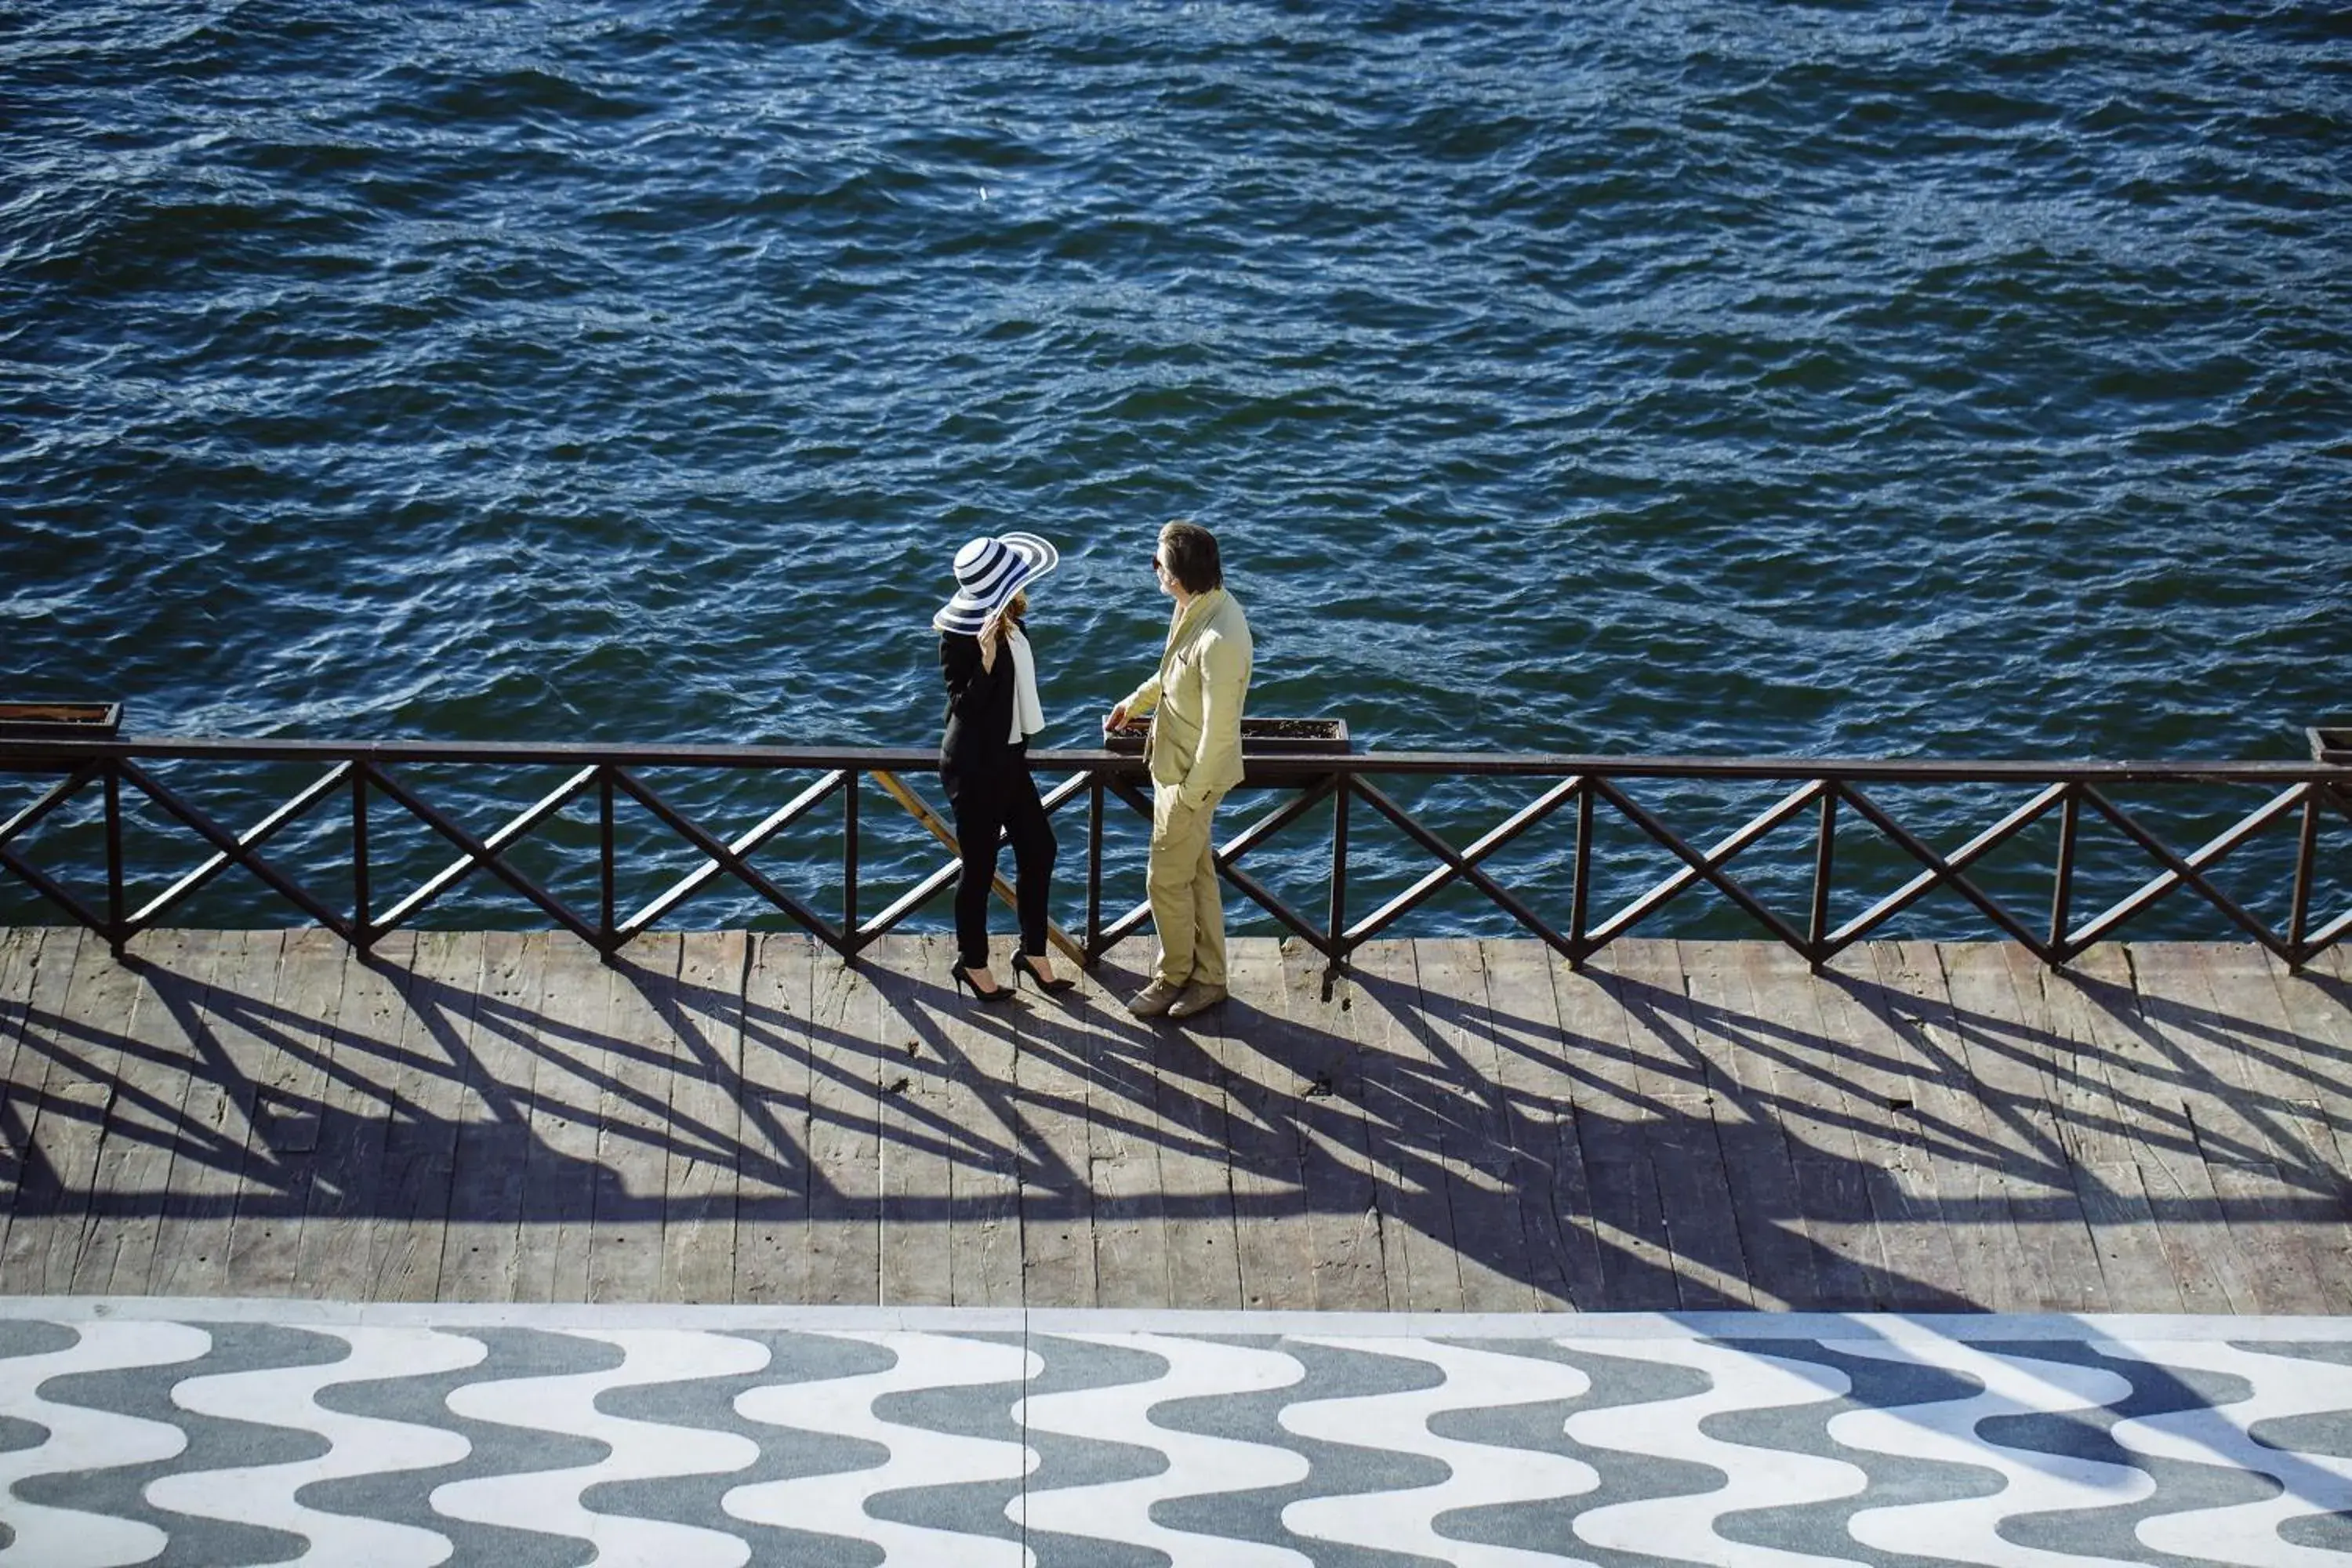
[2299,795]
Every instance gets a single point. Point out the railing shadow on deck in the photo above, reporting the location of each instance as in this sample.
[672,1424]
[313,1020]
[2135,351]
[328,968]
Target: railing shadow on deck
[1686,1185]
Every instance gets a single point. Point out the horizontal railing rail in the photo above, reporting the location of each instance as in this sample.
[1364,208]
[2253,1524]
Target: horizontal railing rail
[1834,797]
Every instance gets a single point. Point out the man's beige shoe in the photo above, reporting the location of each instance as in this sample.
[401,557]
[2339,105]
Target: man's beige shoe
[1197,998]
[1153,999]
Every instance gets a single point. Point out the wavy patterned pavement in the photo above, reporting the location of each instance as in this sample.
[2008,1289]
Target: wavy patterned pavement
[229,1432]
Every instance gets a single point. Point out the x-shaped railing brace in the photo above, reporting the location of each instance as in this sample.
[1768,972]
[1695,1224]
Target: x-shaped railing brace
[64,790]
[1336,941]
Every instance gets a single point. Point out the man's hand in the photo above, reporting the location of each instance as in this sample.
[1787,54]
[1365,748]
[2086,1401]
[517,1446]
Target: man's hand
[1118,718]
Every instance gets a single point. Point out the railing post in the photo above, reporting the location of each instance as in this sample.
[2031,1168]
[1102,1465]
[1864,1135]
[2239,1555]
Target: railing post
[363,930]
[608,914]
[1824,866]
[1339,916]
[2062,891]
[852,778]
[1094,866]
[1581,878]
[2306,850]
[115,935]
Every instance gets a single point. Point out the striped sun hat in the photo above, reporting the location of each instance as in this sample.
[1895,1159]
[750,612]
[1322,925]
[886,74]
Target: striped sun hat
[988,572]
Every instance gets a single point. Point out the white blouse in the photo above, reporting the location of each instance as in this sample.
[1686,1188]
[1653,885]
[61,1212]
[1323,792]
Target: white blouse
[1028,717]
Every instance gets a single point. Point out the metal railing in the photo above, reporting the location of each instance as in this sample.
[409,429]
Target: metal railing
[1827,796]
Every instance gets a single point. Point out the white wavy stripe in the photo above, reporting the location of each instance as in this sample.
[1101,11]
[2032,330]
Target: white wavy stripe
[834,1504]
[549,1500]
[1684,1526]
[84,1440]
[2311,1483]
[263,1495]
[1197,1466]
[1967,1530]
[1481,1476]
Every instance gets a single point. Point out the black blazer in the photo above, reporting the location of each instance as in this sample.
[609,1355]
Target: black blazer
[975,744]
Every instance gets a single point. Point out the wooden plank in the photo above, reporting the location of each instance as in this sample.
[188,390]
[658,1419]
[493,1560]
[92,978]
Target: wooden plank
[1168,1084]
[145,1123]
[19,955]
[2133,1262]
[2231,1091]
[1981,1010]
[570,1058]
[1750,1096]
[193,1232]
[1541,1077]
[1936,1173]
[1251,1039]
[630,1181]
[2289,1071]
[2221,998]
[92,1020]
[844,1145]
[1473,1142]
[916,1266]
[429,1096]
[1540,1108]
[2310,1062]
[2312,1016]
[1399,1077]
[2021,1185]
[338,1235]
[1823,1118]
[699,1242]
[2316,1003]
[2287,1091]
[1055,1040]
[1909,1127]
[773,1172]
[2271,1229]
[1688,1157]
[2138,1272]
[1336,1184]
[2209,1267]
[181,1021]
[2262,1167]
[45,1050]
[481,1249]
[1615,1108]
[981,1136]
[281,1156]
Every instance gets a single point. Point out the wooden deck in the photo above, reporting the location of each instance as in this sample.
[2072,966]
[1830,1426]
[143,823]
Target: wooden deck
[1466,1125]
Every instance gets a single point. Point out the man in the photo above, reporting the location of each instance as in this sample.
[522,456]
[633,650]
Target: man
[1195,755]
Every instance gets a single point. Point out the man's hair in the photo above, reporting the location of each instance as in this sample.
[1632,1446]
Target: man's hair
[1192,557]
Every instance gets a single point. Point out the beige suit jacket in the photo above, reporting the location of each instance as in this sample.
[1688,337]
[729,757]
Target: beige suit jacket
[1201,684]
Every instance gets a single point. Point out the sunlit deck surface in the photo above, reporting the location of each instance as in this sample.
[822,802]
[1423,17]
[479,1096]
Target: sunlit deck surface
[1462,1125]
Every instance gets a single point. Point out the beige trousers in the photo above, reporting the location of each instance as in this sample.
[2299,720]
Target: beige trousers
[1187,905]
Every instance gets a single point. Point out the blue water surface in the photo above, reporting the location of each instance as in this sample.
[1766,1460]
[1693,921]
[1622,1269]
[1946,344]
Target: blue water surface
[1946,380]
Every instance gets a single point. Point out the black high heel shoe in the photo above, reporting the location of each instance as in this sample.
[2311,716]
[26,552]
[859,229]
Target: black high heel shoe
[1025,964]
[997,994]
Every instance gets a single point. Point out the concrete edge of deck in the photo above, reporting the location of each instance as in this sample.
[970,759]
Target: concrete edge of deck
[1886,1326]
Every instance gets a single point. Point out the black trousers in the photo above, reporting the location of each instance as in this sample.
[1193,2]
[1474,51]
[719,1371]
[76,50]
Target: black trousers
[1001,803]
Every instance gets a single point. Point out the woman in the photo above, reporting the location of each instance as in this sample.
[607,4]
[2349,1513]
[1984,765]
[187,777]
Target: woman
[992,710]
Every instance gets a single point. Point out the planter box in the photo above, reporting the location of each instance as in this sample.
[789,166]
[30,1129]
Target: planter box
[2331,743]
[1260,737]
[60,720]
